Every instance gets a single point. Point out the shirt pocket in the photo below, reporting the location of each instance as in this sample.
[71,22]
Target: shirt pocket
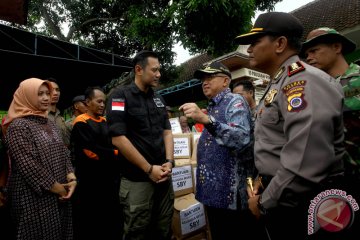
[138,118]
[270,117]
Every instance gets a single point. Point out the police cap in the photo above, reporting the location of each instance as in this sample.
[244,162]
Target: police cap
[272,23]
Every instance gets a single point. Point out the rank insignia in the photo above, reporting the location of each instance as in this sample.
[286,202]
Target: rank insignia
[295,68]
[279,72]
[269,98]
[295,95]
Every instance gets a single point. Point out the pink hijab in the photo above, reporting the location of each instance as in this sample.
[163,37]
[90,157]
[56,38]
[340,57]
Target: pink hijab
[25,100]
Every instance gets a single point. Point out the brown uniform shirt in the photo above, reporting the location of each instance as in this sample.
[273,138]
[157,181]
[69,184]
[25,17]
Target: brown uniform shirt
[298,131]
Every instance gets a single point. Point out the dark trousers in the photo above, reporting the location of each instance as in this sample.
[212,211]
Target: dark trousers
[233,224]
[285,223]
[7,231]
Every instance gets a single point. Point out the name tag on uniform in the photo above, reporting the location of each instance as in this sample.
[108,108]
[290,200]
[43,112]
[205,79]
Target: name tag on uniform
[158,102]
[118,104]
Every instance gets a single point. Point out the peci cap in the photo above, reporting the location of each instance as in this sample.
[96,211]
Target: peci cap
[80,98]
[327,35]
[212,68]
[278,23]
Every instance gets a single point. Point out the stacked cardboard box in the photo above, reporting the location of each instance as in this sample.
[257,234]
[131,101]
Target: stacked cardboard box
[189,220]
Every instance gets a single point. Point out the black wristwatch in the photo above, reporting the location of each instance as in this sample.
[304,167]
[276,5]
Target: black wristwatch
[212,120]
[171,161]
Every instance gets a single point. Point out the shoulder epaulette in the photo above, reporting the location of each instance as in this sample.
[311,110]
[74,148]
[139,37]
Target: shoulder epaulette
[294,68]
[279,73]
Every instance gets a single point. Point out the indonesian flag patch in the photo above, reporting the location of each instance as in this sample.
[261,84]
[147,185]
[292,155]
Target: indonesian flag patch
[118,104]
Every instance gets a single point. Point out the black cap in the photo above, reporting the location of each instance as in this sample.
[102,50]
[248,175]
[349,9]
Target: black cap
[277,23]
[80,98]
[327,35]
[212,68]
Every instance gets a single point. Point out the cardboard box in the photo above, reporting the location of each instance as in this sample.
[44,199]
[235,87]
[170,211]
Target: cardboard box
[189,216]
[182,162]
[182,145]
[175,125]
[182,178]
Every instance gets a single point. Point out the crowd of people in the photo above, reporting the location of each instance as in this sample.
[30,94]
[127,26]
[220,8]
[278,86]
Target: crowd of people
[106,172]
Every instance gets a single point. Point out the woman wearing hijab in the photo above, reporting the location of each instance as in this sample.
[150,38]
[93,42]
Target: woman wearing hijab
[42,179]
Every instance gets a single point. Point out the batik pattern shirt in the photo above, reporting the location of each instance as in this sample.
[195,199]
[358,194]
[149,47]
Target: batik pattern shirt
[38,160]
[225,153]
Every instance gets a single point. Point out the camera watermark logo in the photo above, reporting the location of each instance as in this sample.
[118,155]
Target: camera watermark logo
[332,210]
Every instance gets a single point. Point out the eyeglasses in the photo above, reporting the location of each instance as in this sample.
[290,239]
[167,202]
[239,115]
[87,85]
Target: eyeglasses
[211,77]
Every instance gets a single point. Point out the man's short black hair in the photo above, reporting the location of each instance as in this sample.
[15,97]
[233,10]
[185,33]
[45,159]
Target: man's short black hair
[142,56]
[247,85]
[90,92]
[294,42]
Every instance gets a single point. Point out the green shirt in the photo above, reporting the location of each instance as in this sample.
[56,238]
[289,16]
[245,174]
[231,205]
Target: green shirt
[350,81]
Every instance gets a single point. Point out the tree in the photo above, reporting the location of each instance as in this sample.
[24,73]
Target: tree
[127,26]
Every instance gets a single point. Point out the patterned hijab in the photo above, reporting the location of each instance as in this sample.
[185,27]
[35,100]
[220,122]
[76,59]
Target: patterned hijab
[25,101]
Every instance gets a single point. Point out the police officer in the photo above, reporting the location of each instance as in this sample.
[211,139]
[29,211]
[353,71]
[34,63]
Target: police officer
[298,129]
[325,48]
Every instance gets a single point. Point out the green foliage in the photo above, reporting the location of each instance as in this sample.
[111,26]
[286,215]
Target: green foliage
[127,26]
[212,25]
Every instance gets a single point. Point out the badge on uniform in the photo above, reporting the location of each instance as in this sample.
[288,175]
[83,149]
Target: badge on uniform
[269,98]
[279,72]
[118,104]
[158,102]
[295,95]
[295,68]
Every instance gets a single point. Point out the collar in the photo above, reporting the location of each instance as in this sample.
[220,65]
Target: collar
[57,112]
[215,100]
[283,68]
[135,89]
[353,69]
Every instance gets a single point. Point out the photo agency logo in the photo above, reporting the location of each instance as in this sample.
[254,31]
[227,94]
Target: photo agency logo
[332,210]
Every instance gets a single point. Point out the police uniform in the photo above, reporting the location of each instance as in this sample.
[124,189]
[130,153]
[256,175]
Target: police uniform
[298,137]
[60,124]
[298,122]
[298,133]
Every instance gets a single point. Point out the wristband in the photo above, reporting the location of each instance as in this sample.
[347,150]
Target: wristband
[171,161]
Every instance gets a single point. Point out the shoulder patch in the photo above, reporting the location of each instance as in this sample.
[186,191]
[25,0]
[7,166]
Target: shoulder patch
[118,104]
[158,102]
[295,68]
[295,95]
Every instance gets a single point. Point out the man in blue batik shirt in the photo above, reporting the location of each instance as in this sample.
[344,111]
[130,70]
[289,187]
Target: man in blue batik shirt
[225,154]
